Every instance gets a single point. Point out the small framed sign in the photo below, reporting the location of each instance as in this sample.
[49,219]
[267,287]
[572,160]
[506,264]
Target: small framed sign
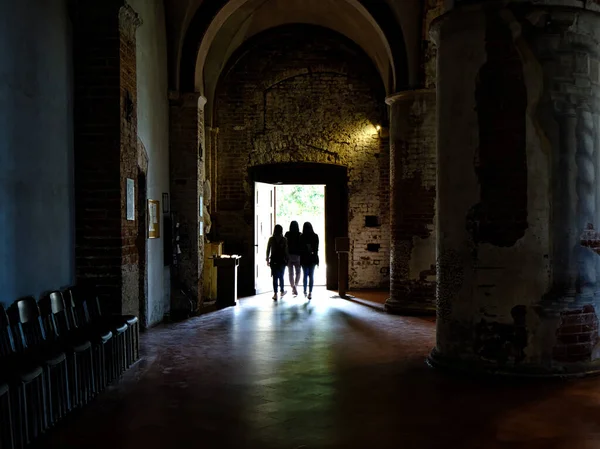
[130,199]
[153,219]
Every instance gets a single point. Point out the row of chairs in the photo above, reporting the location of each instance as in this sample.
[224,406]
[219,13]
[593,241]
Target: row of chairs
[55,356]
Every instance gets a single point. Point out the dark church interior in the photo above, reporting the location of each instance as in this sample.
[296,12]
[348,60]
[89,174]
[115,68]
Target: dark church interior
[451,154]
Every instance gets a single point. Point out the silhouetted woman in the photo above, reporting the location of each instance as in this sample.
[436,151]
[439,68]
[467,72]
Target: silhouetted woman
[277,249]
[293,241]
[309,257]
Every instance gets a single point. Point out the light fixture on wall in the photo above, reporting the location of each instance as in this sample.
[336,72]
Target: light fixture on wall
[382,131]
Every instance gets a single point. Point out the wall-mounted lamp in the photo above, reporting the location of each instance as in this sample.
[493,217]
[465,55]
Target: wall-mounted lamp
[382,131]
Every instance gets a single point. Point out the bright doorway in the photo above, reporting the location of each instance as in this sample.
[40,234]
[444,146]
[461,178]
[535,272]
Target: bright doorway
[280,204]
[303,203]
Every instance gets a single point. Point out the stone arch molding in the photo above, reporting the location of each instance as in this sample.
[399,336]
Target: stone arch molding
[239,20]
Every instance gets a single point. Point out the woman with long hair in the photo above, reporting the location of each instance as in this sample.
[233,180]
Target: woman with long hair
[294,250]
[277,257]
[309,257]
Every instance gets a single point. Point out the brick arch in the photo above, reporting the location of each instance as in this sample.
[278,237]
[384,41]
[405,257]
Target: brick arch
[378,13]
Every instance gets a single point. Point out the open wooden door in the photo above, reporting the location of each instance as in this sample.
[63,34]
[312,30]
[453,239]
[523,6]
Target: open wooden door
[264,213]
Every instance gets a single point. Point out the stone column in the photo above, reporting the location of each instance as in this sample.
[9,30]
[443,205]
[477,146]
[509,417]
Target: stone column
[518,144]
[412,205]
[187,181]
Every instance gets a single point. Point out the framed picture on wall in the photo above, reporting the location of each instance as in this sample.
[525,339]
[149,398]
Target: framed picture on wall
[130,199]
[153,219]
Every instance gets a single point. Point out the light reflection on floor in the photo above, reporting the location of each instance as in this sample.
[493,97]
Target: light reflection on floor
[329,373]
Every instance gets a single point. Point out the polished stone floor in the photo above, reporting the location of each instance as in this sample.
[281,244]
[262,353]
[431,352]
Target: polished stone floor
[331,373]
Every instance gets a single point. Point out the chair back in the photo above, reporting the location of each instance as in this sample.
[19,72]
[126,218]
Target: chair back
[31,322]
[7,342]
[48,319]
[86,294]
[59,312]
[93,307]
[76,306]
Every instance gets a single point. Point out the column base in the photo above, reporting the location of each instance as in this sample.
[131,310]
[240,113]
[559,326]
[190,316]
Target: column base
[475,367]
[395,307]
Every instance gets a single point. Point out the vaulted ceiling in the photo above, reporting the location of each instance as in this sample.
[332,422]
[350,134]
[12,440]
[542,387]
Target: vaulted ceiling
[203,34]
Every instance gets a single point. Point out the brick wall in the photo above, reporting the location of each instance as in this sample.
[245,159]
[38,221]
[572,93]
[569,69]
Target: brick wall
[105,150]
[297,94]
[577,335]
[130,244]
[187,177]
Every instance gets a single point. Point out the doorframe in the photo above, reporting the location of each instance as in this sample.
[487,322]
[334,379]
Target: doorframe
[258,250]
[335,180]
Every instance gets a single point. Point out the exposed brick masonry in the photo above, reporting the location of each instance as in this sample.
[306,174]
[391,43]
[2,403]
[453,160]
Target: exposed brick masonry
[105,149]
[577,335]
[413,181]
[186,136]
[307,96]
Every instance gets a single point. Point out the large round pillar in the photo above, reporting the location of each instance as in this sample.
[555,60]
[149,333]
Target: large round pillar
[518,189]
[412,202]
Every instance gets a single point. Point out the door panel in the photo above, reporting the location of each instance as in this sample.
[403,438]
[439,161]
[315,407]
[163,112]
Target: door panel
[264,213]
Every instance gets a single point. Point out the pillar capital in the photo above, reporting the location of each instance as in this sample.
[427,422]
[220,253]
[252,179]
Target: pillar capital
[129,21]
[549,14]
[408,95]
[187,99]
[452,5]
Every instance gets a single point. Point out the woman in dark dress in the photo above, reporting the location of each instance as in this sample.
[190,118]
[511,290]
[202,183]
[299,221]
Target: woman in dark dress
[277,257]
[309,257]
[293,241]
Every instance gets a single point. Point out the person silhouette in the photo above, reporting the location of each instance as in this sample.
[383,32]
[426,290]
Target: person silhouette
[309,257]
[294,250]
[277,257]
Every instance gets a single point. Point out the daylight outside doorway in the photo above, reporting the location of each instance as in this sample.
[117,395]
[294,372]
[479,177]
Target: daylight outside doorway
[280,204]
[303,203]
